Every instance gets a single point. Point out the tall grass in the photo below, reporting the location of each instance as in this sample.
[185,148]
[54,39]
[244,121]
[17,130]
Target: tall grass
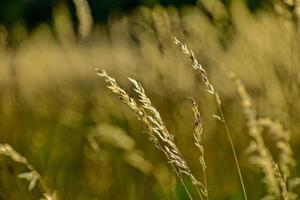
[50,95]
[32,176]
[261,155]
[157,132]
[210,89]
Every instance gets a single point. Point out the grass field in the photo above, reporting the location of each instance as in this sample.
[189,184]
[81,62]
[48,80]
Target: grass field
[85,143]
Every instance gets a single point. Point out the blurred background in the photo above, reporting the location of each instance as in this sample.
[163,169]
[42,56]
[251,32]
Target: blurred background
[34,12]
[53,106]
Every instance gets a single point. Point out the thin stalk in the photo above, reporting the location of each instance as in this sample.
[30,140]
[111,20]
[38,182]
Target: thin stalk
[210,89]
[199,193]
[205,183]
[179,176]
[233,151]
[183,183]
[40,179]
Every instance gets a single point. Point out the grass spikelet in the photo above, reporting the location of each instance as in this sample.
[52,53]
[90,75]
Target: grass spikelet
[282,182]
[261,155]
[157,131]
[197,66]
[282,137]
[210,89]
[32,176]
[122,94]
[146,103]
[198,131]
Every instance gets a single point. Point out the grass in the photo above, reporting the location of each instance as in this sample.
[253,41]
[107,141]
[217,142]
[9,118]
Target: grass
[86,145]
[32,176]
[210,89]
[164,141]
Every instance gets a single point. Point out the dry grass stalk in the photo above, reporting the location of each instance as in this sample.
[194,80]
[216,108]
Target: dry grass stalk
[260,154]
[210,89]
[198,67]
[84,17]
[32,176]
[282,136]
[156,129]
[198,131]
[286,161]
[282,182]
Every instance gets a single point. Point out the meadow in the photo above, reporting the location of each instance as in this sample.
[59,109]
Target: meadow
[80,141]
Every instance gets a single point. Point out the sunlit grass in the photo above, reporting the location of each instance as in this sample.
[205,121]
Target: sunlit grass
[51,102]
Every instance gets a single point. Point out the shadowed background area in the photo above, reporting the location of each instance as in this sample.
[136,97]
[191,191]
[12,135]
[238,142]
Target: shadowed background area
[34,12]
[87,144]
